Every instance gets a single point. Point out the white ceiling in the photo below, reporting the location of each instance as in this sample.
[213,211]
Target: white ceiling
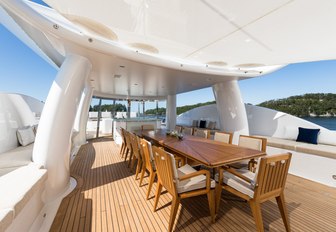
[173,46]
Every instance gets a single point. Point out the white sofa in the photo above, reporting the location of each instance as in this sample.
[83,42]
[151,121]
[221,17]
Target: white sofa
[315,162]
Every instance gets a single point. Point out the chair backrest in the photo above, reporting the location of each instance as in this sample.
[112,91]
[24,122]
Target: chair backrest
[224,137]
[195,123]
[122,131]
[166,169]
[135,145]
[147,152]
[272,175]
[187,130]
[201,133]
[253,142]
[128,140]
[147,127]
[178,129]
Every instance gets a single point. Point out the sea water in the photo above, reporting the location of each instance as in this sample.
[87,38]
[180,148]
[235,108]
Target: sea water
[327,122]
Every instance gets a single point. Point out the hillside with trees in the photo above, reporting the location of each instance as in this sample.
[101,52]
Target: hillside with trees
[179,109]
[307,105]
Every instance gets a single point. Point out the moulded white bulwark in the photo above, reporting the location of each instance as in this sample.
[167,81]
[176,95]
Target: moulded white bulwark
[171,112]
[52,144]
[231,108]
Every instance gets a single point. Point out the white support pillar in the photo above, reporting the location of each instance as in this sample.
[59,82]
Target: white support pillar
[171,112]
[53,140]
[231,108]
[82,116]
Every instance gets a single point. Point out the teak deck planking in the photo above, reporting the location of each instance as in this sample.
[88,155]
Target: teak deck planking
[108,198]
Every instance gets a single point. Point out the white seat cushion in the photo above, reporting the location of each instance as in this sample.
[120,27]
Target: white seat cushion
[15,158]
[197,182]
[239,184]
[6,218]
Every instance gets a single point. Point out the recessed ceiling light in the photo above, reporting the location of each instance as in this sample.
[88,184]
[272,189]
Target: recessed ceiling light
[248,40]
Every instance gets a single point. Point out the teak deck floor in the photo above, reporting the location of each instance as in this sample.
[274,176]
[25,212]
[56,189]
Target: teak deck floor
[108,198]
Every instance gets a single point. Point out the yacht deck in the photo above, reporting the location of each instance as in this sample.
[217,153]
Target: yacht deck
[108,198]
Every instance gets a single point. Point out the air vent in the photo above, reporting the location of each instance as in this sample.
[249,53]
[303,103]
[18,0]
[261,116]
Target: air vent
[217,63]
[117,76]
[250,65]
[92,26]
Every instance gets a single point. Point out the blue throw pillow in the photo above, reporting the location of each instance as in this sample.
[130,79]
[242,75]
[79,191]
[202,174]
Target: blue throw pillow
[308,135]
[202,124]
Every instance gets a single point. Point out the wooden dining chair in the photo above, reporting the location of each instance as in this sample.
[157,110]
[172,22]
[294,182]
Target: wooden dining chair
[129,149]
[203,133]
[147,127]
[123,144]
[252,142]
[136,154]
[256,188]
[147,165]
[187,130]
[181,183]
[224,137]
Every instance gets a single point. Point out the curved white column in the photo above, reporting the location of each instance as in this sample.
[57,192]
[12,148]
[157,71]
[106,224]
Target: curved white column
[53,140]
[82,116]
[171,112]
[231,108]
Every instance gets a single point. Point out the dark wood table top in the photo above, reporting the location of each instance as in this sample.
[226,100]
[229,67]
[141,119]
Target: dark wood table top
[208,152]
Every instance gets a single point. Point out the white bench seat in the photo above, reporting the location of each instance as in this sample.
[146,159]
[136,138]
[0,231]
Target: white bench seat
[17,188]
[15,158]
[324,150]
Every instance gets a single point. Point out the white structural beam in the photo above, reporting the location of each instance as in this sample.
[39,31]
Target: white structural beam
[171,112]
[231,108]
[53,140]
[82,116]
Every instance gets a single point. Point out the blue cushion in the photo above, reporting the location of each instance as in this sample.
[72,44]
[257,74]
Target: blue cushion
[308,135]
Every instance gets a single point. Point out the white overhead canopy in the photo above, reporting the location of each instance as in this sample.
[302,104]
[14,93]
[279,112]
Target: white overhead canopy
[152,48]
[237,32]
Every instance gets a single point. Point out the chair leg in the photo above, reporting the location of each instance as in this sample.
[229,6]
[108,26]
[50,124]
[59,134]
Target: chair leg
[138,169]
[122,150]
[218,192]
[173,211]
[142,173]
[256,211]
[157,194]
[150,183]
[212,207]
[130,159]
[126,154]
[133,162]
[283,210]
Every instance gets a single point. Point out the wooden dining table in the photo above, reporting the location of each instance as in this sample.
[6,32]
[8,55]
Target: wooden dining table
[205,151]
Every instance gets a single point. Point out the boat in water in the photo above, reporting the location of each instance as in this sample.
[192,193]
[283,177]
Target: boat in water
[154,50]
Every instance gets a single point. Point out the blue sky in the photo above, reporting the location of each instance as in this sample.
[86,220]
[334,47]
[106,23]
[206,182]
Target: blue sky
[22,71]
